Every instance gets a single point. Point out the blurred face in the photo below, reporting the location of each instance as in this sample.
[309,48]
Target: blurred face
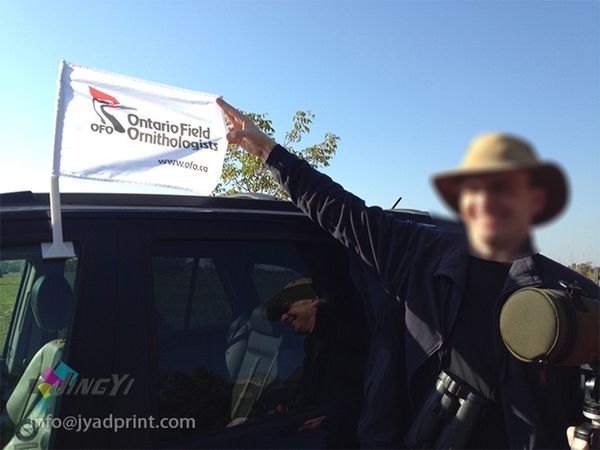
[498,210]
[301,315]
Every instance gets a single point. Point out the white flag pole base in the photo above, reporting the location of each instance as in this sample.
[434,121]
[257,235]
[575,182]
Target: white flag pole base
[52,250]
[57,248]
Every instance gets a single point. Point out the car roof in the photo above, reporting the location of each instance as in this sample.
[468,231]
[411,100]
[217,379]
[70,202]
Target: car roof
[27,202]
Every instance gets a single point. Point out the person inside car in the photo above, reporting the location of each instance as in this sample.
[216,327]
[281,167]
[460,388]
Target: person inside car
[449,291]
[296,304]
[329,379]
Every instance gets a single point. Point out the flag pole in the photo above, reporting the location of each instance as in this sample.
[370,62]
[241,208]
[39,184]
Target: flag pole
[57,248]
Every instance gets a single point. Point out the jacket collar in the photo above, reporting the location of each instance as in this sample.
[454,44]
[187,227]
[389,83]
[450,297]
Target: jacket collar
[453,264]
[523,272]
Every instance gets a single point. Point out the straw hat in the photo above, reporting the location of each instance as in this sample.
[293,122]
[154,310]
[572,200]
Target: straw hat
[300,289]
[498,152]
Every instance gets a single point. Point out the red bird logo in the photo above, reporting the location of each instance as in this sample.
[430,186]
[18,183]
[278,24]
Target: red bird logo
[107,101]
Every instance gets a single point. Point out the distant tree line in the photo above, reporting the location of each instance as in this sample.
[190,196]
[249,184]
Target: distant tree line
[587,269]
[10,266]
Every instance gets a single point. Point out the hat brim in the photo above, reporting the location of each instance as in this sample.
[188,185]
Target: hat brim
[273,308]
[547,175]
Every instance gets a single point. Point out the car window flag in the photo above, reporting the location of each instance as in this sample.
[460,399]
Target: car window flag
[111,127]
[115,128]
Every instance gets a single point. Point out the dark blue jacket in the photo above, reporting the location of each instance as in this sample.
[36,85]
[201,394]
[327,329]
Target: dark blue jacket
[425,273]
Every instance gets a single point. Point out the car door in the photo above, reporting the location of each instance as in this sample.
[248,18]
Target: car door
[222,374]
[39,299]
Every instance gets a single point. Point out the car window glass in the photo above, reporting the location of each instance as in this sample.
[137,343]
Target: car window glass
[188,293]
[36,299]
[269,278]
[222,361]
[172,277]
[210,305]
[11,272]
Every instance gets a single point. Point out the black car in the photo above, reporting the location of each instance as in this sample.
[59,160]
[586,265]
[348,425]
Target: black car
[155,336]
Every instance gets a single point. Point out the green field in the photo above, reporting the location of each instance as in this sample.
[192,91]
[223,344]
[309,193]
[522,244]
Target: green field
[9,284]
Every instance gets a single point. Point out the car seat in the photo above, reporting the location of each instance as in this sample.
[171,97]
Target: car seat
[50,300]
[251,359]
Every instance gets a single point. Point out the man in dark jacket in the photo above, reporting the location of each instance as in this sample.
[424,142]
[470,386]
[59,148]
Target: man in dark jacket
[449,293]
[333,350]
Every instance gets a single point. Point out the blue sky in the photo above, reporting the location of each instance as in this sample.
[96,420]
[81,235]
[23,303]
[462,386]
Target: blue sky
[405,84]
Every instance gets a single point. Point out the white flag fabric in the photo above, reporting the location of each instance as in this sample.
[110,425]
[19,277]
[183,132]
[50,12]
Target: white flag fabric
[116,128]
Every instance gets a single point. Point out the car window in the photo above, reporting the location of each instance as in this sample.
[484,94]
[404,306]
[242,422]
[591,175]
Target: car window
[36,298]
[269,278]
[188,293]
[224,361]
[11,272]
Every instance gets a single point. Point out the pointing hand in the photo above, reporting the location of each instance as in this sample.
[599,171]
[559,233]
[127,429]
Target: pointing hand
[244,133]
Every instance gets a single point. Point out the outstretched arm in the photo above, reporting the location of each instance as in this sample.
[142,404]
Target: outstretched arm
[383,242]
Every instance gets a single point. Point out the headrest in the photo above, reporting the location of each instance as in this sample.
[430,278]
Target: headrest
[263,326]
[51,297]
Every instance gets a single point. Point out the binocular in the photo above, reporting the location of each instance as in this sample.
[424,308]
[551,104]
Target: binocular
[447,416]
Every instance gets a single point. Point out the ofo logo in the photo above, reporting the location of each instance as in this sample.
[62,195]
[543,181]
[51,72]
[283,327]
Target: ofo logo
[105,102]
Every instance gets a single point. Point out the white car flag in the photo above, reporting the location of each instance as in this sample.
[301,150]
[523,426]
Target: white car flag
[116,128]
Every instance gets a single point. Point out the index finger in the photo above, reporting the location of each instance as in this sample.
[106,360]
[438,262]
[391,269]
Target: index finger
[230,110]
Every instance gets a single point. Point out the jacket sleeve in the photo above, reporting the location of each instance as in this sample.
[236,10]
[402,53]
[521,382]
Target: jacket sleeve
[385,243]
